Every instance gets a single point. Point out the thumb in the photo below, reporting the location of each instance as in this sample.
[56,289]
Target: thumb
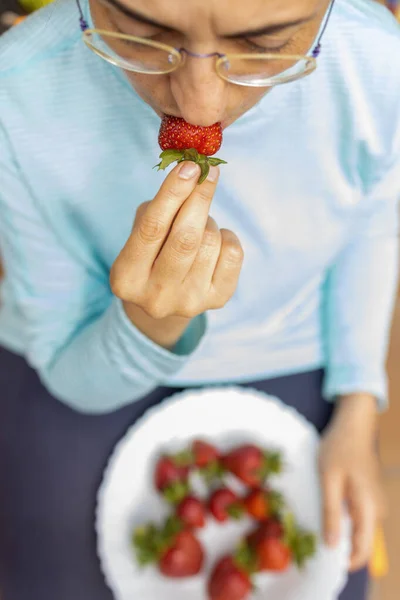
[333,496]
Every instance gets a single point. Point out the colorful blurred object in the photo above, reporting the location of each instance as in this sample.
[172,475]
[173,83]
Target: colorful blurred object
[9,19]
[32,5]
[394,7]
[379,564]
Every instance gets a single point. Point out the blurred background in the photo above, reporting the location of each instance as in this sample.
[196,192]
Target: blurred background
[385,565]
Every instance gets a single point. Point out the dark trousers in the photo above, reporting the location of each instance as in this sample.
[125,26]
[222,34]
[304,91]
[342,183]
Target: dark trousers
[51,465]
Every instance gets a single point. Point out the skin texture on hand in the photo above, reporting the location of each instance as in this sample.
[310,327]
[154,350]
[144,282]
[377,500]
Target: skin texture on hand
[350,473]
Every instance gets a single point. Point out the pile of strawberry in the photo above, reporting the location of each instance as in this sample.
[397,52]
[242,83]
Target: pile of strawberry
[274,543]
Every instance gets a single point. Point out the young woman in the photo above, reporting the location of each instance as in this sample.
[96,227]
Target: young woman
[123,285]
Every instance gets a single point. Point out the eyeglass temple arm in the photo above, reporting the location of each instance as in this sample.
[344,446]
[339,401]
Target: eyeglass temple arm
[318,47]
[316,52]
[82,21]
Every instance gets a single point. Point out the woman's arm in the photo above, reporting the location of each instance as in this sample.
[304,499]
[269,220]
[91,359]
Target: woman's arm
[360,293]
[80,340]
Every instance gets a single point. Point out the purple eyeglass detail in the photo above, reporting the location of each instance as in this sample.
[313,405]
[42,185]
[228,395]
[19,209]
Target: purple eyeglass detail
[83,23]
[317,51]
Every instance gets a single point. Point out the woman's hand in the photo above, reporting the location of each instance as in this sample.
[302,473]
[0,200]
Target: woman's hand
[350,473]
[177,263]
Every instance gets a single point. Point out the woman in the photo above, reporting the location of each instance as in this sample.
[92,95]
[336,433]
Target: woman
[121,288]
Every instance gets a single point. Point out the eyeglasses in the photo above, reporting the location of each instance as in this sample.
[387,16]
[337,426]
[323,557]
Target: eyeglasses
[144,56]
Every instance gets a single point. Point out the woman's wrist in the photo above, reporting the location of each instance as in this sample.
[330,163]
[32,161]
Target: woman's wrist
[164,332]
[357,414]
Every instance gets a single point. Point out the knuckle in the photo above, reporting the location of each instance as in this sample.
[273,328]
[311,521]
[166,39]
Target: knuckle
[218,303]
[150,229]
[204,193]
[173,193]
[211,238]
[156,301]
[141,209]
[218,299]
[190,309]
[185,241]
[155,308]
[119,284]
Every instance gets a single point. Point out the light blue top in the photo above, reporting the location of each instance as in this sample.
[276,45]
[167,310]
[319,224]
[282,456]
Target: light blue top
[311,189]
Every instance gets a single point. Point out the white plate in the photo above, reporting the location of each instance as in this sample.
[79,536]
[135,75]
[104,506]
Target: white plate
[225,415]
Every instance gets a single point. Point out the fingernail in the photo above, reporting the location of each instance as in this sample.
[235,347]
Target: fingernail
[189,170]
[213,174]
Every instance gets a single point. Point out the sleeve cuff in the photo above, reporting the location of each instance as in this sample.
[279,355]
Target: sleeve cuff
[134,352]
[341,380]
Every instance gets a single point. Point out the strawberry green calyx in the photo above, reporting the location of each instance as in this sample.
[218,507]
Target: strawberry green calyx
[276,502]
[168,157]
[235,511]
[149,542]
[213,473]
[302,543]
[176,492]
[246,559]
[184,458]
[272,464]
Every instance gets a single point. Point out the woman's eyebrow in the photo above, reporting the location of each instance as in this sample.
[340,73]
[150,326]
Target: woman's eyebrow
[266,30]
[137,16]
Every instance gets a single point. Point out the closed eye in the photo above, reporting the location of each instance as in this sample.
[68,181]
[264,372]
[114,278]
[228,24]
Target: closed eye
[264,48]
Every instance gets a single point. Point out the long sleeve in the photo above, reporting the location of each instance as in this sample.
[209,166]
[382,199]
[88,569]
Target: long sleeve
[360,294]
[86,351]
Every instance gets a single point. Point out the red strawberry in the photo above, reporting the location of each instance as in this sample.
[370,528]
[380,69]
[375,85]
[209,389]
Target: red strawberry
[180,141]
[225,504]
[273,554]
[192,512]
[204,453]
[176,550]
[177,134]
[261,504]
[171,479]
[269,529]
[229,581]
[277,544]
[184,558]
[252,465]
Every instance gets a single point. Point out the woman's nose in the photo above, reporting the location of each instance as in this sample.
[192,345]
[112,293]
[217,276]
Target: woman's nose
[200,94]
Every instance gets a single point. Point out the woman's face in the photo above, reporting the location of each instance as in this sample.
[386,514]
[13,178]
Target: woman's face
[195,92]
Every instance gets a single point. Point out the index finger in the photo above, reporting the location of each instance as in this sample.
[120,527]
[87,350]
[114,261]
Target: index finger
[152,226]
[363,515]
[333,497]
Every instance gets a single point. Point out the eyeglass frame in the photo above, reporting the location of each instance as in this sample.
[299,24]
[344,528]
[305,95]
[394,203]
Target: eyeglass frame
[84,26]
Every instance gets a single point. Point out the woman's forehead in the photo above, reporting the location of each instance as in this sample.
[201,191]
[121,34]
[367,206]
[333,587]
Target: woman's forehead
[225,16]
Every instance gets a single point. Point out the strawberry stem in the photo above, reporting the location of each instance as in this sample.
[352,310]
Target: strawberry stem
[176,492]
[235,511]
[272,465]
[212,473]
[183,459]
[205,162]
[302,543]
[276,502]
[246,558]
[150,541]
